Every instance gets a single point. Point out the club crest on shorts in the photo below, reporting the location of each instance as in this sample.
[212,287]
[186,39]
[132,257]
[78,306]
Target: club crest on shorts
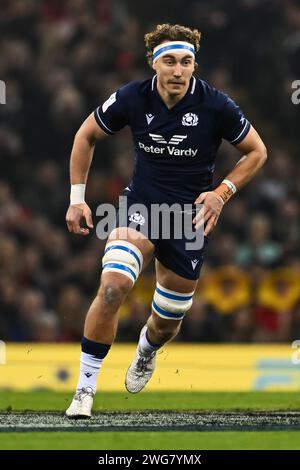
[190,119]
[137,218]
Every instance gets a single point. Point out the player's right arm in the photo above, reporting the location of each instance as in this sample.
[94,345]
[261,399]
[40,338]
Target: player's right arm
[105,120]
[80,162]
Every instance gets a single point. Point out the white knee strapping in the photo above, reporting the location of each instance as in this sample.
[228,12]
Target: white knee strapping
[171,305]
[122,257]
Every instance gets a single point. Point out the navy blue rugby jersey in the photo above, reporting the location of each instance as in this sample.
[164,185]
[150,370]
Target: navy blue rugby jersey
[175,149]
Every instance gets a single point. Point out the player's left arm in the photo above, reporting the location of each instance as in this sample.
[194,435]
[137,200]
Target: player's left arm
[255,155]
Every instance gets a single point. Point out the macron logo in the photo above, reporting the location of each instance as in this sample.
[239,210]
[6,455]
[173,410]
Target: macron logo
[194,263]
[149,118]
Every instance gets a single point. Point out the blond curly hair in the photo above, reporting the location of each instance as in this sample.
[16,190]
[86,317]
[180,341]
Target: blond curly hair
[170,32]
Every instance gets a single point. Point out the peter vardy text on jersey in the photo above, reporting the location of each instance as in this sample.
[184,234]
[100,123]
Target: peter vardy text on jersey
[173,151]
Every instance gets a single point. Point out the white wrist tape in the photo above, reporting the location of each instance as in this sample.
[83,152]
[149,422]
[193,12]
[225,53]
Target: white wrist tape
[77,194]
[230,185]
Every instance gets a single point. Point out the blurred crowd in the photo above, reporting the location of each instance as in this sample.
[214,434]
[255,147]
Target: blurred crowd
[60,60]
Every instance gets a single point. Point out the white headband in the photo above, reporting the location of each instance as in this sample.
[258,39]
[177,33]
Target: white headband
[173,46]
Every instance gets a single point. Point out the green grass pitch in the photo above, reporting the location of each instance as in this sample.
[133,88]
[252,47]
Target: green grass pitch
[57,401]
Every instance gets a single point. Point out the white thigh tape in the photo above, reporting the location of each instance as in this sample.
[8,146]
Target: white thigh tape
[124,258]
[170,304]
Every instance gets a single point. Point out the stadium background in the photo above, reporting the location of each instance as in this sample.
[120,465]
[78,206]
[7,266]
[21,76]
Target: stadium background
[59,60]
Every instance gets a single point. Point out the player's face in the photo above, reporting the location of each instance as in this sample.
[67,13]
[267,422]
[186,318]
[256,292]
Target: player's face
[174,72]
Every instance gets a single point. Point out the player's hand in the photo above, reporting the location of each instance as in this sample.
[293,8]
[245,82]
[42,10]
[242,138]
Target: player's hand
[210,211]
[73,218]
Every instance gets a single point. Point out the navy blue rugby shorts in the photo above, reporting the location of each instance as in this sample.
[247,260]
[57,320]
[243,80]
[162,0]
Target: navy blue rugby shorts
[173,252]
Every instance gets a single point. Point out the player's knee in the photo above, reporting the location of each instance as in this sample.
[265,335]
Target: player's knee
[124,258]
[171,305]
[114,293]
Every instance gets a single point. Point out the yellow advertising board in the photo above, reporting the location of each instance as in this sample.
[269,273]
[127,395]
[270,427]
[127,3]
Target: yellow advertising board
[180,367]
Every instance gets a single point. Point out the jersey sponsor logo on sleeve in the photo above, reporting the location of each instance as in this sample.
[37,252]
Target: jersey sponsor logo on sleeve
[111,100]
[190,119]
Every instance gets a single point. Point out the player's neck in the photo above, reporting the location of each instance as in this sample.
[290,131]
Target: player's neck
[170,100]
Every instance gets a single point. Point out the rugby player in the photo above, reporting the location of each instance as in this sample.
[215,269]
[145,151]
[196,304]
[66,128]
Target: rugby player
[177,123]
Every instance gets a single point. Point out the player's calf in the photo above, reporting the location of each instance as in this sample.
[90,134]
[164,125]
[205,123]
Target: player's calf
[168,305]
[122,263]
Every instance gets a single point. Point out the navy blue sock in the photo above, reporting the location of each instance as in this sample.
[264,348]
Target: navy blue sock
[98,350]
